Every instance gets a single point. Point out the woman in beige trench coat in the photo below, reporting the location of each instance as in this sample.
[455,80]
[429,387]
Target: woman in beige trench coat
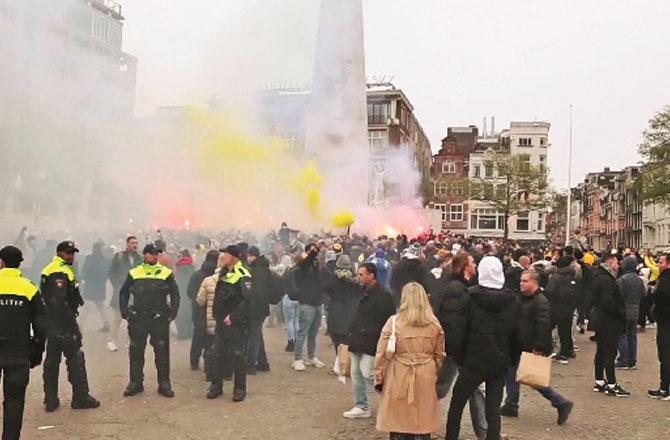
[409,405]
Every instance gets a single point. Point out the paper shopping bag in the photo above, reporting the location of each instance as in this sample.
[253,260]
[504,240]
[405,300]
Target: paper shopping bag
[534,370]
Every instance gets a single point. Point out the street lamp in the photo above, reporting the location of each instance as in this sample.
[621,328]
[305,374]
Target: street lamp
[569,203]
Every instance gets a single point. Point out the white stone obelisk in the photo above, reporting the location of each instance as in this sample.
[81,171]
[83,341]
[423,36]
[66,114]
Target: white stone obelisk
[336,123]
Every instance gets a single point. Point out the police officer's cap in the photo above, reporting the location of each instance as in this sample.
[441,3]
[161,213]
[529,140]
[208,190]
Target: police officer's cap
[232,250]
[11,256]
[151,249]
[66,246]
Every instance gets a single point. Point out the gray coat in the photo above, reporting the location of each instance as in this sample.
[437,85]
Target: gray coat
[632,288]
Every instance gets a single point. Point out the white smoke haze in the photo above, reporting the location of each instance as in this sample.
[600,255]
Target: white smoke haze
[79,160]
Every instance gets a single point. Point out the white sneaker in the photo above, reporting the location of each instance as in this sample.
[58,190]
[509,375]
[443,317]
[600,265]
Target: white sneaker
[111,346]
[357,413]
[299,365]
[315,362]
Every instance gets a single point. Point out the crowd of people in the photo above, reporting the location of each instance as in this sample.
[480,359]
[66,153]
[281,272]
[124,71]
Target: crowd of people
[418,318]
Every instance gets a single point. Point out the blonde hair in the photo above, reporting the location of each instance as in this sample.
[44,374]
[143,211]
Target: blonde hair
[414,307]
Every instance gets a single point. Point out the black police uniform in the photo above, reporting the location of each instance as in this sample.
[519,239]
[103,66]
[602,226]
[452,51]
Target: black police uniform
[150,285]
[231,299]
[21,309]
[60,291]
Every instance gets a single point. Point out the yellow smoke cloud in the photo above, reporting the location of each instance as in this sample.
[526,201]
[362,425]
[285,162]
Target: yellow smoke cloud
[342,219]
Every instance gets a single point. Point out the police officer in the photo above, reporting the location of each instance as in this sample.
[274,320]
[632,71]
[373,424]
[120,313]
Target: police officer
[21,308]
[150,285]
[60,291]
[231,303]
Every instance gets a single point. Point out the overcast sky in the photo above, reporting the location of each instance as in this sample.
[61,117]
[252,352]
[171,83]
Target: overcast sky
[457,61]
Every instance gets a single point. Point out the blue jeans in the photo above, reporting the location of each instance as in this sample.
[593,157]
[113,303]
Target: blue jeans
[290,309]
[628,345]
[362,378]
[477,402]
[512,399]
[309,318]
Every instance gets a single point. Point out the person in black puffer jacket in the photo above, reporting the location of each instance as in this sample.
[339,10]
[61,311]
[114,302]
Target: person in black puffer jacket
[447,310]
[609,323]
[662,312]
[199,341]
[534,337]
[489,346]
[564,294]
[259,309]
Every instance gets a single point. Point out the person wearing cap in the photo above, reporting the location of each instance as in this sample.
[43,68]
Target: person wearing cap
[383,267]
[486,344]
[21,309]
[259,309]
[60,291]
[232,297]
[155,304]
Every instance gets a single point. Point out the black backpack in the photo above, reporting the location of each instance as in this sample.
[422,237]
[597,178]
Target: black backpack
[569,290]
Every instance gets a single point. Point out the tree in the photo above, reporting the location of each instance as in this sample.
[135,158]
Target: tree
[655,151]
[517,188]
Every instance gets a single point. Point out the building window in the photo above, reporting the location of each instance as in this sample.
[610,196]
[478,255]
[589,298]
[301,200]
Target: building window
[488,170]
[540,221]
[524,163]
[522,222]
[378,141]
[456,213]
[294,142]
[379,113]
[100,28]
[487,219]
[543,163]
[543,142]
[442,208]
[449,167]
[525,142]
[440,188]
[478,171]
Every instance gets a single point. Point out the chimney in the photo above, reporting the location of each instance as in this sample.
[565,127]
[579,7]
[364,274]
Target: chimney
[484,132]
[493,125]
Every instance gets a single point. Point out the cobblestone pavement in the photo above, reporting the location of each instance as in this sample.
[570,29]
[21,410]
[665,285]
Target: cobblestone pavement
[283,404]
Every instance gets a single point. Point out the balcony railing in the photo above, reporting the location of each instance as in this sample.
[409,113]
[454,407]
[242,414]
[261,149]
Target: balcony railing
[110,6]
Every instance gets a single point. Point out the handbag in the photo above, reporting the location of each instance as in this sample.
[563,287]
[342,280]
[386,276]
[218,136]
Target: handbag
[343,361]
[534,370]
[390,347]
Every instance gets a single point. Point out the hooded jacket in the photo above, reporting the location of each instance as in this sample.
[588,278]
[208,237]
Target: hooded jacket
[562,308]
[343,293]
[609,310]
[447,302]
[406,271]
[632,287]
[259,306]
[206,269]
[489,329]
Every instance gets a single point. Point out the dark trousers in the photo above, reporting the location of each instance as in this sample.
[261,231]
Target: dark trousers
[645,303]
[14,385]
[230,345]
[68,345]
[663,345]
[467,382]
[256,355]
[157,328]
[606,350]
[183,322]
[198,343]
[628,345]
[564,334]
